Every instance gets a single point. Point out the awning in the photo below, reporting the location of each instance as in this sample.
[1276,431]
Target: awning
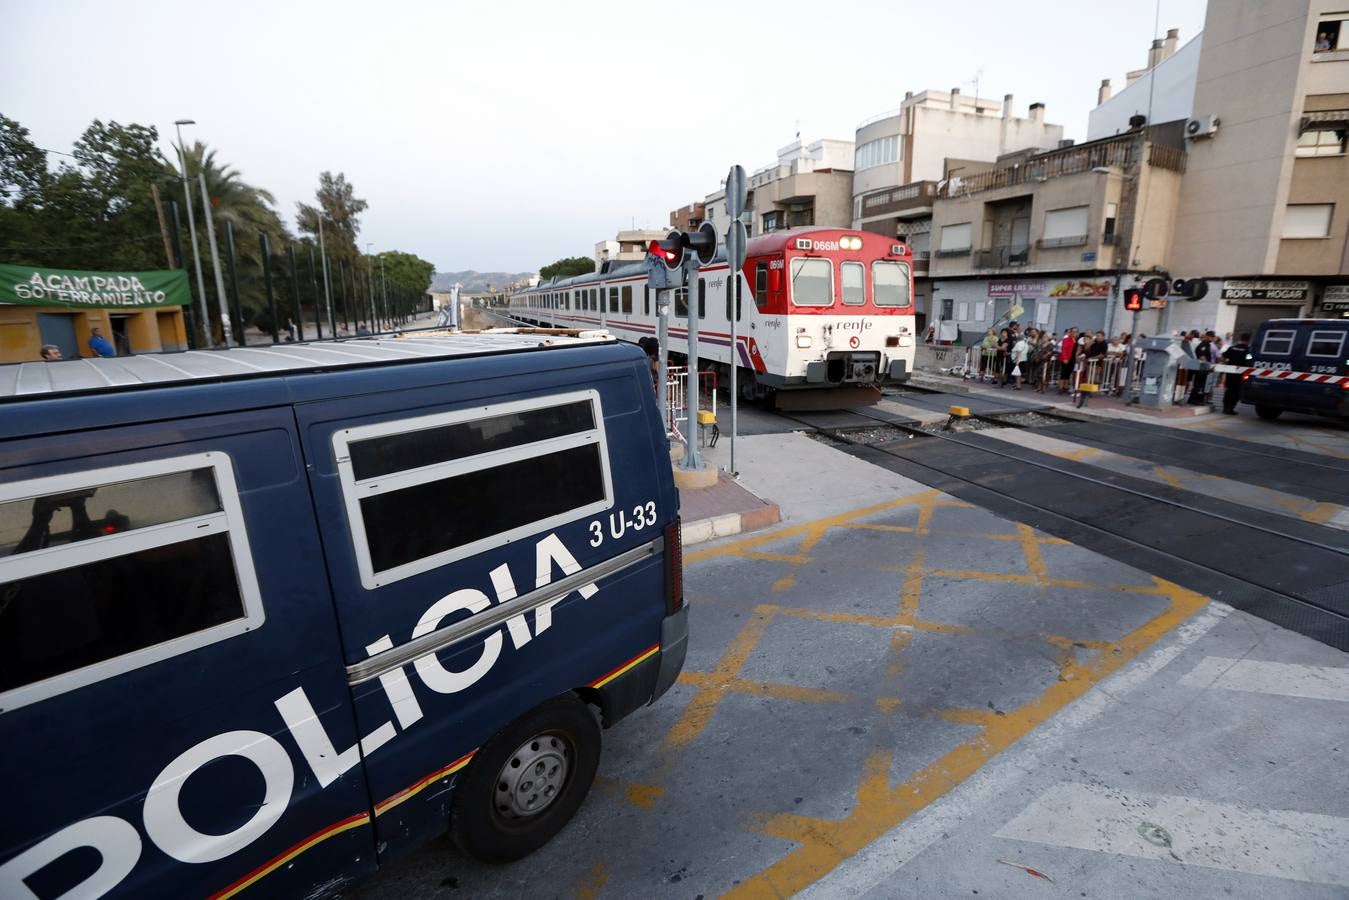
[1318,119]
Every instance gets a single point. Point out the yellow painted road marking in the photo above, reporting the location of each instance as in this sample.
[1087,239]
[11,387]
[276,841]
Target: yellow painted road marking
[593,883]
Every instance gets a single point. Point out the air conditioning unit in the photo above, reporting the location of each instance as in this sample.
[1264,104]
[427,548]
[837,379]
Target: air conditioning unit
[1202,127]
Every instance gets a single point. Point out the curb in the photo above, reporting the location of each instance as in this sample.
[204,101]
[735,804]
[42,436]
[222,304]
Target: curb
[704,530]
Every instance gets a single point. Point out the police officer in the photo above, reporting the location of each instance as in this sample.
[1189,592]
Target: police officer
[1238,354]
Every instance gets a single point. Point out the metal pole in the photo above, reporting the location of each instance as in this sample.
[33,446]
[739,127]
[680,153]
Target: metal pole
[370,283]
[178,248]
[215,263]
[384,288]
[295,287]
[691,270]
[314,280]
[196,251]
[267,284]
[236,310]
[663,364]
[327,291]
[734,286]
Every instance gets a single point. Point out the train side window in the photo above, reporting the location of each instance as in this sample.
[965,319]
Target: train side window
[421,493]
[613,299]
[110,570]
[890,283]
[681,302]
[1326,344]
[627,299]
[761,284]
[812,282]
[1277,342]
[594,307]
[702,298]
[646,300]
[733,288]
[854,283]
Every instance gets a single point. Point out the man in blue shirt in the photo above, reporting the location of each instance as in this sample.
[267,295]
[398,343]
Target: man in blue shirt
[99,344]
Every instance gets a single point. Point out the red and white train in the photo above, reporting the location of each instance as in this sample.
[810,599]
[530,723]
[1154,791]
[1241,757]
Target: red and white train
[820,308]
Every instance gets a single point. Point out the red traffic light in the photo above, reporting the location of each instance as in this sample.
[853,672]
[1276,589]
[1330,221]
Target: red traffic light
[1133,300]
[669,257]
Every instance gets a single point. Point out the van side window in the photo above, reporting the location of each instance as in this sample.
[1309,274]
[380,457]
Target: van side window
[1277,342]
[112,569]
[1326,344]
[421,493]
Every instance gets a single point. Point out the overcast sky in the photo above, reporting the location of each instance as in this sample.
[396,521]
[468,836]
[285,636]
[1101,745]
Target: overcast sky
[502,135]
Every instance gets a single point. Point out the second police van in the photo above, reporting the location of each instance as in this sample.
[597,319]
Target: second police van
[1317,349]
[273,617]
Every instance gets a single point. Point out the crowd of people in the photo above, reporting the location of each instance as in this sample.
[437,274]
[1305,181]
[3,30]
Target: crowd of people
[1042,360]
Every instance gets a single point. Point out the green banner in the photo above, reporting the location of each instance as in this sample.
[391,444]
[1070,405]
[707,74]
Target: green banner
[29,286]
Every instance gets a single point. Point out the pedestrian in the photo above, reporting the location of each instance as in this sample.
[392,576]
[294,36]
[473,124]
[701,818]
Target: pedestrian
[1238,354]
[1067,357]
[361,330]
[1003,363]
[1020,354]
[99,344]
[1203,354]
[50,352]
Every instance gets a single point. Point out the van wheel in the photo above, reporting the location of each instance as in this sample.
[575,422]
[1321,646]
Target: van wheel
[527,782]
[1269,413]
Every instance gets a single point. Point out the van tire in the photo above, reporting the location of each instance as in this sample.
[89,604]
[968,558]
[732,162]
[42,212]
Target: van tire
[1268,413]
[561,741]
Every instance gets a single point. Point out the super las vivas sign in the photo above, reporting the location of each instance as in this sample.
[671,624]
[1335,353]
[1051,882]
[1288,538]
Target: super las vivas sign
[30,286]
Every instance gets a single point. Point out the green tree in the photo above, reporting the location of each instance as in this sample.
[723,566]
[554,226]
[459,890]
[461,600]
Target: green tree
[405,269]
[341,210]
[567,268]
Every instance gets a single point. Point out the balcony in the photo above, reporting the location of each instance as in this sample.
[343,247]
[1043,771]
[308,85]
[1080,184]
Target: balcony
[914,199]
[1120,152]
[1001,257]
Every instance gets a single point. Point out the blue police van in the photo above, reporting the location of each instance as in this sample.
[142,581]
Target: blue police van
[272,617]
[1317,348]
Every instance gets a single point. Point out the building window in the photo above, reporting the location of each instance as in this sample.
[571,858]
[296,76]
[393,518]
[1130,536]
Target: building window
[1065,227]
[1325,142]
[812,282]
[877,153]
[519,468]
[1307,220]
[946,309]
[772,221]
[963,311]
[890,283]
[1108,233]
[1278,342]
[854,283]
[955,238]
[110,570]
[1330,34]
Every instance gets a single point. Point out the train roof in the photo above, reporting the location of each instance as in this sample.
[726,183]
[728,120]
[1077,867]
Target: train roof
[31,380]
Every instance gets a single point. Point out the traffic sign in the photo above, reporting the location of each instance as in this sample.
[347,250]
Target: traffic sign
[737,236]
[737,192]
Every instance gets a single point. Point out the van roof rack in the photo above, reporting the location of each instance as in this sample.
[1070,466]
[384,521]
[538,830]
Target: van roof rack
[28,380]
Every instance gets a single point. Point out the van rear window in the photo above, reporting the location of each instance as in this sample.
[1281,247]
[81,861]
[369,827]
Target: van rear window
[421,493]
[1326,344]
[1277,342]
[111,569]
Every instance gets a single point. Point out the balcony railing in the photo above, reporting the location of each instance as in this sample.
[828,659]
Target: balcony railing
[954,251]
[907,196]
[1078,240]
[1001,257]
[1120,152]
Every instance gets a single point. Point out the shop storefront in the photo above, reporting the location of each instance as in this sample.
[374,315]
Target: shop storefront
[1335,301]
[137,312]
[1250,302]
[968,307]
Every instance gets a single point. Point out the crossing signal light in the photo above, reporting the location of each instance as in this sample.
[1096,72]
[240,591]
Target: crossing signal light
[703,242]
[1133,300]
[669,257]
[670,250]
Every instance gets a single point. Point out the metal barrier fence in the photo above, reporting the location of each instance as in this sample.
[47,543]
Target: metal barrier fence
[676,393]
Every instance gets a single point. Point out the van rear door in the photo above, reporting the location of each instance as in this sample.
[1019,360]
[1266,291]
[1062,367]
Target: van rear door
[171,683]
[447,489]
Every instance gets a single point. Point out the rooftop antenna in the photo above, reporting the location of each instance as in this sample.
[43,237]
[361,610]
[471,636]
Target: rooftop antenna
[798,129]
[978,74]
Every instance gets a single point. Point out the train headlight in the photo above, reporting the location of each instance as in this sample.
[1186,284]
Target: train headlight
[850,242]
[803,341]
[906,340]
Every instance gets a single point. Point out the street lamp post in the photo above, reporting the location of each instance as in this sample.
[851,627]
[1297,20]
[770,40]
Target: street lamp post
[192,229]
[384,289]
[327,293]
[370,280]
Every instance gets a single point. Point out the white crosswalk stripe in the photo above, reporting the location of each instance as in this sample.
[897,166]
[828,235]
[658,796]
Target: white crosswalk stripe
[1261,677]
[1275,843]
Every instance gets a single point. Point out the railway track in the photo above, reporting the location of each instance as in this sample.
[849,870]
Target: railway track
[1281,569]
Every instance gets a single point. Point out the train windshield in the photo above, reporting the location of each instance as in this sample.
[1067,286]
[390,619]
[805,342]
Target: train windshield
[890,283]
[812,282]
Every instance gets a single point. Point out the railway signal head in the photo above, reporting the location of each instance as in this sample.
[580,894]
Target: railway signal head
[669,251]
[1156,288]
[703,242]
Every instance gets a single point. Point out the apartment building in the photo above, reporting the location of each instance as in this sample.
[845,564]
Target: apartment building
[689,217]
[810,184]
[1059,234]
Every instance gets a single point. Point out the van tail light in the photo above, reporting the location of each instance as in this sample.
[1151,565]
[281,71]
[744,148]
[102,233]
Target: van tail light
[674,568]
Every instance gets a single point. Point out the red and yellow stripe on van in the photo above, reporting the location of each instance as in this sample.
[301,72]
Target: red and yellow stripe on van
[627,666]
[422,784]
[262,871]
